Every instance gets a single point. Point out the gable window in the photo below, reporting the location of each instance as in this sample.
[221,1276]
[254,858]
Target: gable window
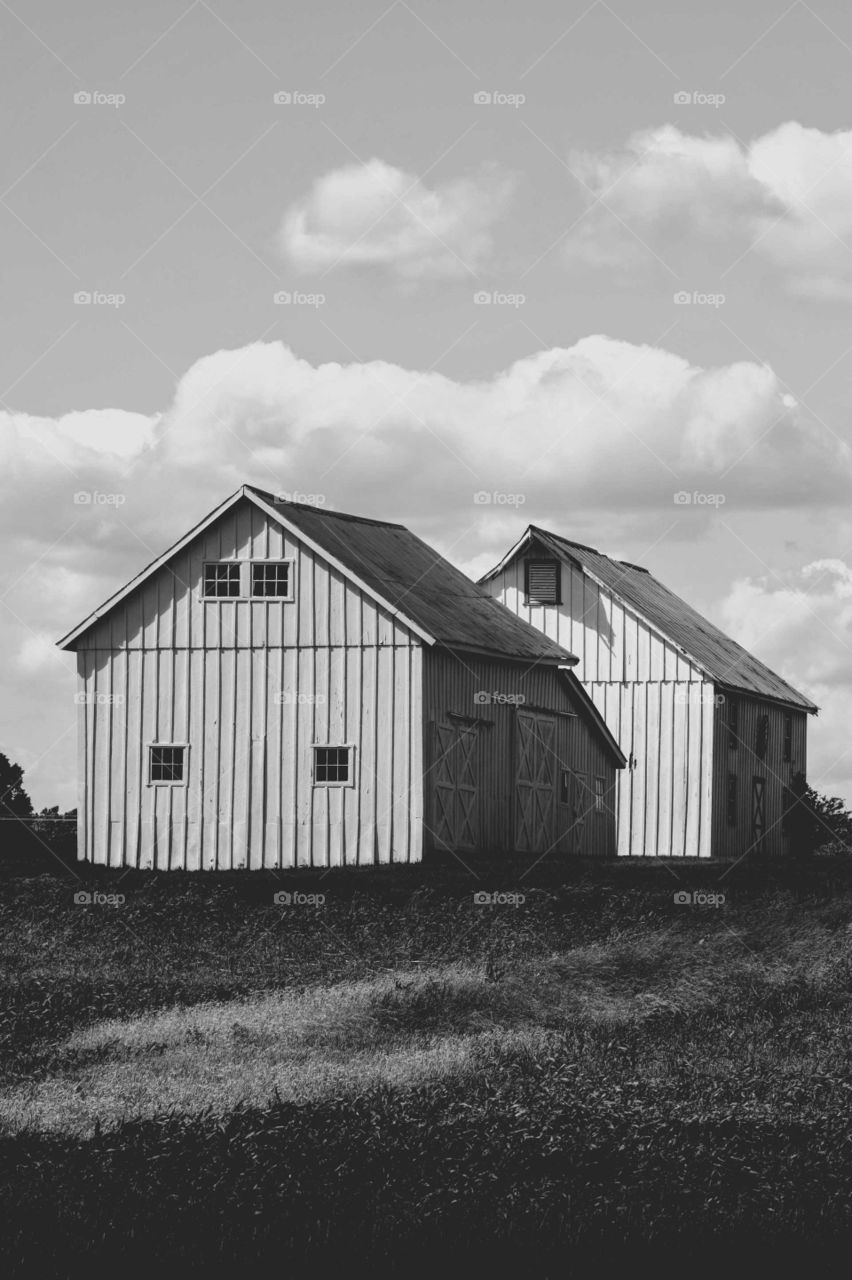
[788,738]
[542,581]
[166,763]
[731,797]
[599,795]
[221,580]
[733,724]
[333,766]
[272,578]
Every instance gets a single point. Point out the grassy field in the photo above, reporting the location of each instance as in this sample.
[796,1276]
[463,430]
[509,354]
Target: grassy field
[386,1072]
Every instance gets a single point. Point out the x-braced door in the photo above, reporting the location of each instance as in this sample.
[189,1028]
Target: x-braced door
[456,786]
[535,782]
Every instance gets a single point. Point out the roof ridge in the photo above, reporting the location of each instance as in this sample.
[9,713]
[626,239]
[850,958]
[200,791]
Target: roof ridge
[275,501]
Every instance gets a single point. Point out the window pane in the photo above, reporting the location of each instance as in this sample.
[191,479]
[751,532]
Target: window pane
[331,764]
[270,578]
[222,579]
[166,764]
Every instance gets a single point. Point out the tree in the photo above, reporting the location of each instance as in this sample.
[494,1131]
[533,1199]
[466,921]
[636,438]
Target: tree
[14,801]
[818,822]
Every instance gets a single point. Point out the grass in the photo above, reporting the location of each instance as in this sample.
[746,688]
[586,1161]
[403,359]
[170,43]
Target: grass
[403,1079]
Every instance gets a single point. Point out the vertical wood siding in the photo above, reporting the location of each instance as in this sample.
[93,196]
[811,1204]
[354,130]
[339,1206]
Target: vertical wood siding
[449,687]
[250,686]
[733,841]
[656,703]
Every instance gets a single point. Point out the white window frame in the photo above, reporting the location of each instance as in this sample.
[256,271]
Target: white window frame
[291,578]
[333,746]
[167,782]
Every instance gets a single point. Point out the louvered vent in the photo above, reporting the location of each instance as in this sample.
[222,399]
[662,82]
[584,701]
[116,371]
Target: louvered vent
[542,581]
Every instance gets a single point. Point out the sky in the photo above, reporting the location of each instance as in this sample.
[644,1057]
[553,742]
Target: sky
[591,261]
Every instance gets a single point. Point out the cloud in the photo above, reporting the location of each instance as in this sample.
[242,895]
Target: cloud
[801,625]
[379,216]
[787,196]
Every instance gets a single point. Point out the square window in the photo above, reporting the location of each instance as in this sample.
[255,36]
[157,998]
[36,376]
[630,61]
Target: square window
[166,764]
[332,766]
[222,580]
[542,581]
[271,578]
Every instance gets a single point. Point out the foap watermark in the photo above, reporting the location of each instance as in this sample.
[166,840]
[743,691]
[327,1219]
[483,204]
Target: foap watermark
[694,298]
[83,699]
[495,298]
[296,98]
[494,698]
[496,98]
[697,99]
[483,899]
[695,499]
[497,498]
[82,898]
[289,699]
[286,298]
[699,697]
[94,98]
[93,498]
[283,898]
[95,298]
[304,499]
[682,898]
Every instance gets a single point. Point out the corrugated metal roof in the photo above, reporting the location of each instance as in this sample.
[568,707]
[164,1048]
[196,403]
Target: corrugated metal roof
[412,577]
[724,661]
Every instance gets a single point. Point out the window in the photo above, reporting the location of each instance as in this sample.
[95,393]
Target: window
[333,766]
[732,799]
[733,724]
[271,578]
[565,786]
[166,764]
[788,738]
[789,802]
[761,737]
[221,580]
[542,581]
[758,809]
[599,795]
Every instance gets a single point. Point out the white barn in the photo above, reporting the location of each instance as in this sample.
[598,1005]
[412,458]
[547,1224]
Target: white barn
[713,738]
[288,686]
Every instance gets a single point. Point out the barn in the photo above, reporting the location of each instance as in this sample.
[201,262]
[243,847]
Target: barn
[288,686]
[712,737]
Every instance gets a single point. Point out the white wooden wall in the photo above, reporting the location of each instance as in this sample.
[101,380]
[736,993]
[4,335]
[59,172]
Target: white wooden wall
[167,666]
[655,702]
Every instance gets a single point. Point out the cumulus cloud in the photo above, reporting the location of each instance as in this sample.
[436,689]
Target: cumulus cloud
[787,195]
[801,624]
[376,215]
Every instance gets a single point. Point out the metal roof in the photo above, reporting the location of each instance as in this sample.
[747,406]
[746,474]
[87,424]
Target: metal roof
[723,660]
[417,582]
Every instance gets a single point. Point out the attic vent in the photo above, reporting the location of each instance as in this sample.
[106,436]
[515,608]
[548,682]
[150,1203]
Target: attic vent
[542,581]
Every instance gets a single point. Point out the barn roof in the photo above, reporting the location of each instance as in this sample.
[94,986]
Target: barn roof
[722,659]
[394,567]
[417,582]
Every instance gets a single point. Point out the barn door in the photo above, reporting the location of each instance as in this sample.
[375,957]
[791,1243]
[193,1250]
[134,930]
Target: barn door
[535,782]
[758,810]
[455,786]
